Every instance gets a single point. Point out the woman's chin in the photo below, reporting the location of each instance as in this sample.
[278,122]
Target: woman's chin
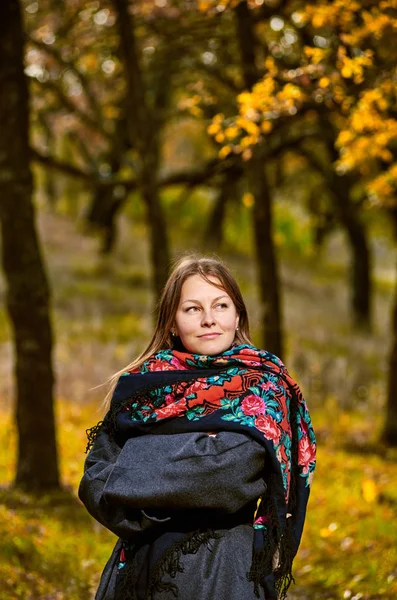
[210,347]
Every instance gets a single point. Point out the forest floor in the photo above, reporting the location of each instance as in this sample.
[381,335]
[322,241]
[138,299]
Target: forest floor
[51,549]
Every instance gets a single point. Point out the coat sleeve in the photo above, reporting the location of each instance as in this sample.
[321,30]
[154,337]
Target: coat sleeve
[187,471]
[123,521]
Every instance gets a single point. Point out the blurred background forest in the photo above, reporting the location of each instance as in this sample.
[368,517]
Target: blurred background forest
[133,131]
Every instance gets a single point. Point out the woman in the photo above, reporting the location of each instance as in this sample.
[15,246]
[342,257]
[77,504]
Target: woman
[203,462]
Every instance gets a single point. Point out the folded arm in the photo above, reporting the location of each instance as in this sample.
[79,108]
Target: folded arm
[187,471]
[121,520]
[123,488]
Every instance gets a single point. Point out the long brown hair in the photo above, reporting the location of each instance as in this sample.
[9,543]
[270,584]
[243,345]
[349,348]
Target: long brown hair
[187,266]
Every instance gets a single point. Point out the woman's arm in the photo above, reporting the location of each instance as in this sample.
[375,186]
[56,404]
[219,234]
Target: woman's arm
[121,520]
[187,471]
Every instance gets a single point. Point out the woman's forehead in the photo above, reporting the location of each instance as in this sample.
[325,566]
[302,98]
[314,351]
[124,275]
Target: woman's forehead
[197,286]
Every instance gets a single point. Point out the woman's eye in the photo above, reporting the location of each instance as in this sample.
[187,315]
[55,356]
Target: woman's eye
[192,309]
[222,305]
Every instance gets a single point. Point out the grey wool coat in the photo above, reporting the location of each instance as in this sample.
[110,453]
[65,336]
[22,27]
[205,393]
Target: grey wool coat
[156,486]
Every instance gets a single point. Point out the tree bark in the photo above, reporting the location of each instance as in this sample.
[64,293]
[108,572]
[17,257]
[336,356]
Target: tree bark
[27,287]
[361,268]
[144,122]
[389,434]
[347,214]
[266,258]
[213,236]
[268,277]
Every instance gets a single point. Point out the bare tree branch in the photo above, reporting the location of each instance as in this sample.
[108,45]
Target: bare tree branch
[66,64]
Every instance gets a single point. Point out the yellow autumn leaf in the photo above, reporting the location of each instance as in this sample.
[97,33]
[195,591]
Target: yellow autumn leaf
[225,151]
[244,97]
[231,132]
[344,138]
[324,82]
[196,111]
[89,61]
[203,6]
[213,129]
[325,532]
[248,200]
[369,490]
[347,71]
[251,128]
[266,126]
[219,118]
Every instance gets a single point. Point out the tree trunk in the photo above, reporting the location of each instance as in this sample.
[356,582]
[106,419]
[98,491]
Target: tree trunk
[27,287]
[349,218]
[213,236]
[262,213]
[360,271]
[389,434]
[159,251]
[143,126]
[262,216]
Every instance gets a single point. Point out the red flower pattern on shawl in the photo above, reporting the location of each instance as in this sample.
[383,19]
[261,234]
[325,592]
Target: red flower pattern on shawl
[306,454]
[172,410]
[252,405]
[266,424]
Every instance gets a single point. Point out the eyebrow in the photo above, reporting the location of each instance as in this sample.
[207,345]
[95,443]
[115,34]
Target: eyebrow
[214,300]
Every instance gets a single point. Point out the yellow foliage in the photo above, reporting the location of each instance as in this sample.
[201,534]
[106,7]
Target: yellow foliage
[224,151]
[214,128]
[219,118]
[368,136]
[345,137]
[384,187]
[370,490]
[244,97]
[365,118]
[248,200]
[271,67]
[324,82]
[249,140]
[205,5]
[353,67]
[89,62]
[251,128]
[231,132]
[341,12]
[196,111]
[266,126]
[315,55]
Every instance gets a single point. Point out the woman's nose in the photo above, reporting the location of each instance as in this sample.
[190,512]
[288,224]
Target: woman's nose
[207,318]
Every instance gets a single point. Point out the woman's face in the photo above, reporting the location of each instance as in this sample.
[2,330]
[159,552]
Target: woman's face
[206,318]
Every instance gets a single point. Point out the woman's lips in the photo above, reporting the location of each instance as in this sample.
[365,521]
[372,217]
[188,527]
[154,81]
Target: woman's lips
[209,336]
